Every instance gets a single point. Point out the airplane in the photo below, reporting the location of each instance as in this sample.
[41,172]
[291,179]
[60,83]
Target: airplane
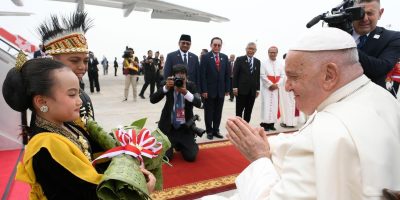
[160,9]
[17,3]
[7,13]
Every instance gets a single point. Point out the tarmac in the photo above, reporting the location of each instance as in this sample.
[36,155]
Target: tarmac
[110,111]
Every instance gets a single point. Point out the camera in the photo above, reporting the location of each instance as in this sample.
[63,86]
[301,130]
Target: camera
[340,16]
[178,82]
[192,126]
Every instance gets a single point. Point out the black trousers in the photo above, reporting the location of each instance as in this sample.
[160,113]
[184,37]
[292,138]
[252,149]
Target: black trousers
[231,96]
[212,113]
[152,84]
[115,71]
[245,103]
[94,81]
[182,140]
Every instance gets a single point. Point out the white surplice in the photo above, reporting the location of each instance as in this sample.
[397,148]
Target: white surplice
[348,149]
[269,99]
[287,105]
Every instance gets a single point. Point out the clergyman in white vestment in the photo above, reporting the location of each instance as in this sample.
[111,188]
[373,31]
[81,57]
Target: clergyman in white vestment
[271,74]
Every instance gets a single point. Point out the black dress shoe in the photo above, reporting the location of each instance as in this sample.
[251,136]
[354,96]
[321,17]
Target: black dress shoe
[218,135]
[141,96]
[209,136]
[265,126]
[283,125]
[271,127]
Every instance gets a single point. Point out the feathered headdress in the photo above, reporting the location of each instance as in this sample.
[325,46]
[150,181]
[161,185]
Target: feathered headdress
[65,34]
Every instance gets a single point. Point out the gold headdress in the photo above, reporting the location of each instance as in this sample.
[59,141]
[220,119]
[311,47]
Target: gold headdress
[21,59]
[68,37]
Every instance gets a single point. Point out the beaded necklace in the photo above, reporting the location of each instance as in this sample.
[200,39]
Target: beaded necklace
[77,138]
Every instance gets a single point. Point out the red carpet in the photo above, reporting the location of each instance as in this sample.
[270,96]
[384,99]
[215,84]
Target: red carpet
[9,188]
[214,170]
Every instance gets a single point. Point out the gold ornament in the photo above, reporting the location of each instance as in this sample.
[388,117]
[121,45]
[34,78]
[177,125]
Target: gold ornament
[21,59]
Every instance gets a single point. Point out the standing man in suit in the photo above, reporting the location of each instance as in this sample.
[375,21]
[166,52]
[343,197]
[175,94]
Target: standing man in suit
[150,73]
[246,81]
[183,56]
[215,85]
[378,48]
[93,73]
[39,53]
[178,109]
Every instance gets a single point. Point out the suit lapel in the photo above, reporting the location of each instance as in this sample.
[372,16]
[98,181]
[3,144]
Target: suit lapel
[212,62]
[374,40]
[179,57]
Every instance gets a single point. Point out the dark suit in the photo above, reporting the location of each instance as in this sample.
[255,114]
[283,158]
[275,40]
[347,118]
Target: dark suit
[38,54]
[231,65]
[193,68]
[93,74]
[248,84]
[379,54]
[150,76]
[182,138]
[216,84]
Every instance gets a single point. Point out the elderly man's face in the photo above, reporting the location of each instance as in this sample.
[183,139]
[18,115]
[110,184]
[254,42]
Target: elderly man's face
[250,50]
[272,53]
[373,13]
[216,45]
[304,79]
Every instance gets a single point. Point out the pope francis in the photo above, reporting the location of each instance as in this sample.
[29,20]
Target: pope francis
[350,146]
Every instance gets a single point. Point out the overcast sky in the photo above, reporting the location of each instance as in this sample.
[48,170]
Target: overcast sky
[265,22]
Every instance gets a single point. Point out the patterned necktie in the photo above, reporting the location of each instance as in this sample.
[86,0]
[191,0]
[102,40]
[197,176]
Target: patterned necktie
[362,41]
[185,59]
[178,105]
[251,65]
[217,62]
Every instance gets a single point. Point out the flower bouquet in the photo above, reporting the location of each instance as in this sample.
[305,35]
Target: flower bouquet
[130,148]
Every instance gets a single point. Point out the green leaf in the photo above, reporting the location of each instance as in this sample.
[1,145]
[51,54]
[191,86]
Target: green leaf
[139,123]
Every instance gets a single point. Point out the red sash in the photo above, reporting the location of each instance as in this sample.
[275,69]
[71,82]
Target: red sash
[274,79]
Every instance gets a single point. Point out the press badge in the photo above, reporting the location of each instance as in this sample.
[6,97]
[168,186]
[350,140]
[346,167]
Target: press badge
[180,114]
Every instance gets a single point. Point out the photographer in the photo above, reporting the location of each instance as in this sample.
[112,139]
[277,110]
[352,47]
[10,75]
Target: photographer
[131,69]
[378,48]
[177,111]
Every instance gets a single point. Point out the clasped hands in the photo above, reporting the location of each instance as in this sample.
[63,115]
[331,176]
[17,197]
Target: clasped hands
[251,142]
[273,87]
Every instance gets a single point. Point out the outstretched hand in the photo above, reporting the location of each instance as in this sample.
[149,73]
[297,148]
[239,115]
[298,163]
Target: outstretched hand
[251,142]
[151,180]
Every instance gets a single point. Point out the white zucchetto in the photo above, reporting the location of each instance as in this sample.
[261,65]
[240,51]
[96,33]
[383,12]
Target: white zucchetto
[324,39]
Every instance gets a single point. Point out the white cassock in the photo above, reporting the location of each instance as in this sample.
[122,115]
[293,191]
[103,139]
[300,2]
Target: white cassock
[348,149]
[287,105]
[270,72]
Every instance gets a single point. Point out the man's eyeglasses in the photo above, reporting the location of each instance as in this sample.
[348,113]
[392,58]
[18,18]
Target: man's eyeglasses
[216,45]
[185,43]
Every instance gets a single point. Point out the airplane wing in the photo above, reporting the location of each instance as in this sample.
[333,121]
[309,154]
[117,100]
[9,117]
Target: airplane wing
[160,9]
[7,13]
